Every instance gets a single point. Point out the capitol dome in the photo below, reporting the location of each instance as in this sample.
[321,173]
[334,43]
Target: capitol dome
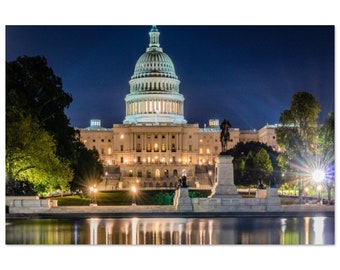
[152,63]
[154,88]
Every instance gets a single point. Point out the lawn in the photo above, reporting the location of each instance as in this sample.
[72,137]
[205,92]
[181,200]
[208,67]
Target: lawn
[147,197]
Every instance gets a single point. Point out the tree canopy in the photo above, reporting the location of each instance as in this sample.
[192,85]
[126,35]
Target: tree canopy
[254,160]
[41,146]
[307,147]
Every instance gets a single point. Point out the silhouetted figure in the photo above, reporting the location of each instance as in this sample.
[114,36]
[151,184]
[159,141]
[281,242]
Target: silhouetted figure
[225,135]
[179,183]
[184,181]
[260,185]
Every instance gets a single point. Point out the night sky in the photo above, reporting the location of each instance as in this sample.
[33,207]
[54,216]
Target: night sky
[247,74]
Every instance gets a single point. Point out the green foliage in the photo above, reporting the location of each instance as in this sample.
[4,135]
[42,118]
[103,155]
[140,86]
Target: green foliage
[30,155]
[326,137]
[245,171]
[88,169]
[263,165]
[298,131]
[164,198]
[41,146]
[199,194]
[327,152]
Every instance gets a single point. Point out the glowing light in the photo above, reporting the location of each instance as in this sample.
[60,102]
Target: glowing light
[318,175]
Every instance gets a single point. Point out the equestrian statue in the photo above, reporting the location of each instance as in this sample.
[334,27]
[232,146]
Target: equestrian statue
[225,135]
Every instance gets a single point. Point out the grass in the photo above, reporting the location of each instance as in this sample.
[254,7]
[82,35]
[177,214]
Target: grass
[142,198]
[110,198]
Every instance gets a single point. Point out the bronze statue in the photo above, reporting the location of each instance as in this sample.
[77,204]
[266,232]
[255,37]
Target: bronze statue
[225,135]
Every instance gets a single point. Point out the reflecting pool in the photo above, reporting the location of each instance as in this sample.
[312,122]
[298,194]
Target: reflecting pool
[172,231]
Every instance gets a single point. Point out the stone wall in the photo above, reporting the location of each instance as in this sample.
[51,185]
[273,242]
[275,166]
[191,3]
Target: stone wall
[18,204]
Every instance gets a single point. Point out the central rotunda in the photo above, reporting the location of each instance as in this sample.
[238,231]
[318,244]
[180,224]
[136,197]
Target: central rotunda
[154,96]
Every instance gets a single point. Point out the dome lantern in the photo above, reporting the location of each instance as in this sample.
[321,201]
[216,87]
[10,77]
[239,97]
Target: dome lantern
[154,39]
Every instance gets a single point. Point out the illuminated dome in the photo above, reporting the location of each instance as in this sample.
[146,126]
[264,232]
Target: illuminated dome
[154,88]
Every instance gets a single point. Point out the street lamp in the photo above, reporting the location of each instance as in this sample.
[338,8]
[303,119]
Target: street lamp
[134,191]
[318,176]
[93,193]
[319,188]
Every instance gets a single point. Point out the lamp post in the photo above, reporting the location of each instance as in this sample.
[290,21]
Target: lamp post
[134,191]
[319,188]
[93,193]
[318,176]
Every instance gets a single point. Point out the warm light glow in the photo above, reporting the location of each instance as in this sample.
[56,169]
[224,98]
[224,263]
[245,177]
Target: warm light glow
[134,189]
[318,175]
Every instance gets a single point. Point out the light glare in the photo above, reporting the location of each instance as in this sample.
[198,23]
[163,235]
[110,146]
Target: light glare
[318,175]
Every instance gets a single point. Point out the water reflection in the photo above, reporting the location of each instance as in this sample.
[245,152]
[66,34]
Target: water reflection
[173,231]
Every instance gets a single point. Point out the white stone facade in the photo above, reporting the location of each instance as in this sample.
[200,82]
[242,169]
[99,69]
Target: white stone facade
[155,145]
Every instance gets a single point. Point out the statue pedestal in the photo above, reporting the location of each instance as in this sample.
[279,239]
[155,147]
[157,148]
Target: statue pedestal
[224,185]
[184,203]
[273,200]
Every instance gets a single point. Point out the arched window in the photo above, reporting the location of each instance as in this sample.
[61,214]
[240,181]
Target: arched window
[157,173]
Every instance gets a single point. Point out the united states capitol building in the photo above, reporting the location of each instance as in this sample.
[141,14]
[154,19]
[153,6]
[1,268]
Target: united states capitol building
[155,145]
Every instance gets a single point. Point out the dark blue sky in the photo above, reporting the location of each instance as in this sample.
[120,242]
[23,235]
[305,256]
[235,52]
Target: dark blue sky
[247,74]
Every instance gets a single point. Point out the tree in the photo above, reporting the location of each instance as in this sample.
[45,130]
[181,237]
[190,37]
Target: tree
[30,156]
[88,170]
[244,168]
[297,134]
[327,152]
[263,165]
[33,90]
[249,168]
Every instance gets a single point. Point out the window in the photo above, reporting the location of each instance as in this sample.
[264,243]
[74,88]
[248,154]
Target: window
[173,136]
[130,173]
[94,140]
[102,151]
[102,140]
[109,140]
[109,151]
[155,149]
[190,137]
[157,173]
[139,148]
[121,147]
[163,148]
[138,137]
[139,174]
[148,147]
[173,147]
[190,147]
[156,136]
[148,174]
[121,160]
[163,136]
